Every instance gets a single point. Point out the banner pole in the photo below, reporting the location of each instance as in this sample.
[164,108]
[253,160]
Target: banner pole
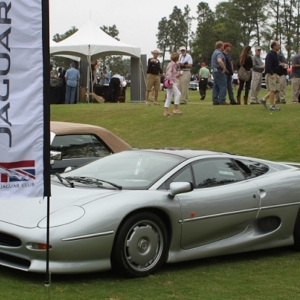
[46,63]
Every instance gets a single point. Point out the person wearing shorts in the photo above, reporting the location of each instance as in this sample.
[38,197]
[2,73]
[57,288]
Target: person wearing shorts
[154,72]
[272,78]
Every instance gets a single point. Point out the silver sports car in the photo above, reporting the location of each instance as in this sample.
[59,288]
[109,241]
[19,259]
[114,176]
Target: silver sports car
[136,210]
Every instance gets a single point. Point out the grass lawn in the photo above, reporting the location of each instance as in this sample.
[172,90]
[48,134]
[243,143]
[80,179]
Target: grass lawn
[247,130]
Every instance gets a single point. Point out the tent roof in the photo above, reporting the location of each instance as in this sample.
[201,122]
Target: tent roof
[90,40]
[53,44]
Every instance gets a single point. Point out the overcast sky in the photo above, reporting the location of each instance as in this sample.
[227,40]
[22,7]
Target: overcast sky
[136,20]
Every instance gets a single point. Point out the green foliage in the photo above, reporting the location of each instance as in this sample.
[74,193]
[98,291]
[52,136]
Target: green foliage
[62,61]
[60,37]
[239,22]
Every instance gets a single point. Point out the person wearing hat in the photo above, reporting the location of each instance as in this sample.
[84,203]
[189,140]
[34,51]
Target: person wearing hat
[204,74]
[257,70]
[154,72]
[229,72]
[185,64]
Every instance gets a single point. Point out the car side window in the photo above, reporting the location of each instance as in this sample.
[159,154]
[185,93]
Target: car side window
[256,168]
[183,175]
[79,146]
[216,172]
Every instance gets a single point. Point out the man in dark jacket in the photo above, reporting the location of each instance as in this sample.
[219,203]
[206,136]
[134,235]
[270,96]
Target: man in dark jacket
[272,78]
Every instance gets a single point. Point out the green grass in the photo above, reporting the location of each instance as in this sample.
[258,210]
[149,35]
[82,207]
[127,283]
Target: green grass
[248,130]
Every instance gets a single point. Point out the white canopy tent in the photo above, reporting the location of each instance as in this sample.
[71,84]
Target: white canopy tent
[91,43]
[75,58]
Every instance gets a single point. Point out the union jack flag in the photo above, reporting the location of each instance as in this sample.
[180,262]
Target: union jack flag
[17,171]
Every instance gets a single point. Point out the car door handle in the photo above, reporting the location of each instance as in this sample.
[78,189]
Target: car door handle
[262,193]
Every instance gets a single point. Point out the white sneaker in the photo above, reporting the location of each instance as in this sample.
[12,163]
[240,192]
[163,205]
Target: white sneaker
[273,107]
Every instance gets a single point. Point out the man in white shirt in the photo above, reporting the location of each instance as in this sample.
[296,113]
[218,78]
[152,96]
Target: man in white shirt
[185,64]
[115,86]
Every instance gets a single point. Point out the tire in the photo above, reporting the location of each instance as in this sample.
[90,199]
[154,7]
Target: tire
[297,233]
[141,246]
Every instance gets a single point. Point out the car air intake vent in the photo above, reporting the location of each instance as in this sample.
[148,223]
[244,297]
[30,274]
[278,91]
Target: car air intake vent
[268,224]
[14,262]
[9,241]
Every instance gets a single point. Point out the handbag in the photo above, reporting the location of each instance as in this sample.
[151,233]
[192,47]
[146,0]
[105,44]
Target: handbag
[244,74]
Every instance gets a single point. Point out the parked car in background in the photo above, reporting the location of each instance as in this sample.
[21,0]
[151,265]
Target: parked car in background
[74,144]
[194,85]
[136,210]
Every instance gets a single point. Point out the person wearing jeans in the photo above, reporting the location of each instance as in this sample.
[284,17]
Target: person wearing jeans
[245,61]
[218,72]
[72,77]
[229,72]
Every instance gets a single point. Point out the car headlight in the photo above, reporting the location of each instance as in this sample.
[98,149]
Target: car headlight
[63,216]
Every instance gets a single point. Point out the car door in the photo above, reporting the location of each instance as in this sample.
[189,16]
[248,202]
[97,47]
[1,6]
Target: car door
[222,204]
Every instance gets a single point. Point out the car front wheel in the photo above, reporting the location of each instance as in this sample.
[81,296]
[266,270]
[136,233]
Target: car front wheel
[141,246]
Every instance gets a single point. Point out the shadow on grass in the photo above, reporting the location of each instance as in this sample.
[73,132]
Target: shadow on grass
[108,276]
[246,257]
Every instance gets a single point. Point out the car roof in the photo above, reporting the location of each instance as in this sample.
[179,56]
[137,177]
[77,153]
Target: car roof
[112,141]
[186,153]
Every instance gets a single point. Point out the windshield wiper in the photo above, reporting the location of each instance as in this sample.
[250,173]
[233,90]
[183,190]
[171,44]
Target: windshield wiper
[91,180]
[61,179]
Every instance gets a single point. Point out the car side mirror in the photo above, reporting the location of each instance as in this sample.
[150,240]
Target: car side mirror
[180,187]
[56,155]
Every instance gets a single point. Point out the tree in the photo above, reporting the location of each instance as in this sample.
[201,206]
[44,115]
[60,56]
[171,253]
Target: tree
[204,40]
[163,38]
[59,37]
[62,61]
[178,28]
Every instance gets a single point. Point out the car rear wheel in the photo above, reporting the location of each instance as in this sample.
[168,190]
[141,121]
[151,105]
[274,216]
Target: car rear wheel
[297,233]
[141,246]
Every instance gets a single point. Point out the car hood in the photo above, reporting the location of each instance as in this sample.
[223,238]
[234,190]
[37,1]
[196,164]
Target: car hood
[28,212]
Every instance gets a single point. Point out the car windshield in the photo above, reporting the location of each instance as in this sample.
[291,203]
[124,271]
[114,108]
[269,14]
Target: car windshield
[129,169]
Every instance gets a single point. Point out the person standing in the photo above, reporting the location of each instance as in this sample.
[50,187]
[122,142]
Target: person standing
[93,78]
[245,61]
[257,70]
[229,72]
[153,77]
[106,75]
[115,87]
[235,79]
[171,79]
[296,77]
[218,72]
[272,78]
[204,74]
[72,77]
[185,65]
[282,72]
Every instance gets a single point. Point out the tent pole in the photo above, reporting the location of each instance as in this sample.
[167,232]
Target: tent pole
[88,81]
